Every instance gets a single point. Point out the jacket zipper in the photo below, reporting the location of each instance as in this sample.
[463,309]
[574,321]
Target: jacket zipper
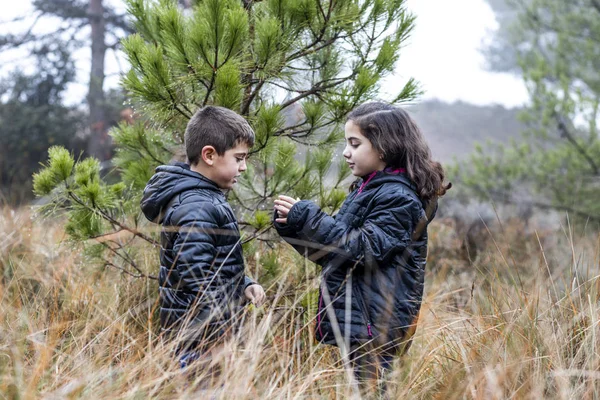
[364,309]
[319,315]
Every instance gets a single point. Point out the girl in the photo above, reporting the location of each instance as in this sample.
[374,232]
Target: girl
[373,252]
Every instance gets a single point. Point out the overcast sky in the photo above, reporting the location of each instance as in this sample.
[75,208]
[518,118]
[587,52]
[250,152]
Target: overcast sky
[443,53]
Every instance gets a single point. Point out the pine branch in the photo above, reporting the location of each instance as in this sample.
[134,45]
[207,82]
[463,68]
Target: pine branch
[309,50]
[257,233]
[107,217]
[140,275]
[286,88]
[306,50]
[564,131]
[302,176]
[214,66]
[27,36]
[246,107]
[66,10]
[294,135]
[11,42]
[129,261]
[318,88]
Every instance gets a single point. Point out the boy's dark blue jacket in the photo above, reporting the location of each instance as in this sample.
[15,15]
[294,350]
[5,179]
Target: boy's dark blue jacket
[201,274]
[373,251]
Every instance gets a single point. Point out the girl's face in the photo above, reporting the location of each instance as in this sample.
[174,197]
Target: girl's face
[360,155]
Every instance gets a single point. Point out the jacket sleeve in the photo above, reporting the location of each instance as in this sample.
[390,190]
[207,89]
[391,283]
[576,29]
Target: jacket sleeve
[386,230]
[195,245]
[302,244]
[248,282]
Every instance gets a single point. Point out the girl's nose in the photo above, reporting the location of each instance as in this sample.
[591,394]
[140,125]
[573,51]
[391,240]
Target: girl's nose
[346,152]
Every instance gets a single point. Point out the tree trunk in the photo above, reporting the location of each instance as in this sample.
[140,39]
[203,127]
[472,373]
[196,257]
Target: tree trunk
[99,144]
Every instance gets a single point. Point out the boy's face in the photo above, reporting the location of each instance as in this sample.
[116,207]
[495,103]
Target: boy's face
[229,166]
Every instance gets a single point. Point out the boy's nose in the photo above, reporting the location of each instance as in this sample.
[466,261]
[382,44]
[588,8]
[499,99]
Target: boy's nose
[243,166]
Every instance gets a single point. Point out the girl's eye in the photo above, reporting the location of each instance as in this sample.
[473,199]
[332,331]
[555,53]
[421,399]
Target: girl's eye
[353,145]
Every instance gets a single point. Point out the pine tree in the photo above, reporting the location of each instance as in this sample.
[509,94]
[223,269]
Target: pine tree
[557,165]
[293,68]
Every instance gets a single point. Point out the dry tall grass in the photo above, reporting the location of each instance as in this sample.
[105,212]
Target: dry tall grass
[517,320]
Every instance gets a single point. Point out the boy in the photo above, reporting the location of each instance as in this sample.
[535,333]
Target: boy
[202,282]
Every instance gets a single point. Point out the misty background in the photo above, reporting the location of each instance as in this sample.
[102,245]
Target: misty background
[468,97]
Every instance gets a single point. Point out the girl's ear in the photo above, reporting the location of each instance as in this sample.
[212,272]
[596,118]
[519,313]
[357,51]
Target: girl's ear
[208,154]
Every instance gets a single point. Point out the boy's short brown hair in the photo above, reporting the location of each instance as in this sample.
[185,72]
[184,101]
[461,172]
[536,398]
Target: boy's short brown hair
[218,127]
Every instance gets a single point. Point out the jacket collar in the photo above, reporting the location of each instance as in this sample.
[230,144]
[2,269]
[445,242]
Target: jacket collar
[377,178]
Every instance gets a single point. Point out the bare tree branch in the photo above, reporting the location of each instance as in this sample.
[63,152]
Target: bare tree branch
[564,131]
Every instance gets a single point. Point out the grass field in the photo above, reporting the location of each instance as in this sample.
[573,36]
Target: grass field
[518,319]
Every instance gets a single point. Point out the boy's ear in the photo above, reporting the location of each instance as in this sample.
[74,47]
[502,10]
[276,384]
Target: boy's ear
[208,154]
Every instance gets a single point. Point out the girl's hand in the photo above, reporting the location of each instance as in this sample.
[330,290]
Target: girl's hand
[283,206]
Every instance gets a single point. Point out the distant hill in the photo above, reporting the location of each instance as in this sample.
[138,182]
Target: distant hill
[452,129]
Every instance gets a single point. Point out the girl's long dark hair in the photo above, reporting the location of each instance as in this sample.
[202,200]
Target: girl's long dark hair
[398,139]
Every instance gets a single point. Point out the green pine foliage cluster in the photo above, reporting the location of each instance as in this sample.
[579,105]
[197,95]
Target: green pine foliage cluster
[293,68]
[557,165]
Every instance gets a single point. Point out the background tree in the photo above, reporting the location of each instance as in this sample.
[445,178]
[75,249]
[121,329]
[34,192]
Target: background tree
[33,118]
[293,68]
[500,50]
[558,51]
[78,24]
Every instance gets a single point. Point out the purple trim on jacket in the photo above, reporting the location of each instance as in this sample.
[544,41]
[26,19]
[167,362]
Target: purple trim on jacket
[372,174]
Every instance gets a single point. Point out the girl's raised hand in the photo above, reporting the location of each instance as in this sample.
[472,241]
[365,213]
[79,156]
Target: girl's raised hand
[283,205]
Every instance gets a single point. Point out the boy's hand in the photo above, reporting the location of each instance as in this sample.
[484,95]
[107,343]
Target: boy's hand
[255,293]
[283,206]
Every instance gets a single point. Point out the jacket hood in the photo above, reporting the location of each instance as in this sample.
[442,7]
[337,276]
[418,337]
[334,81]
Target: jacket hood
[381,177]
[167,182]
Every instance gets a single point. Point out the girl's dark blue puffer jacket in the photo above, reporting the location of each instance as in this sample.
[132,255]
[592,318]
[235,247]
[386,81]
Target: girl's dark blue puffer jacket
[201,276]
[373,254]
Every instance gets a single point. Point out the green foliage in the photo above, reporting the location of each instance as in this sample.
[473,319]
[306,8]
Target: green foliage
[270,264]
[292,68]
[261,220]
[557,50]
[43,182]
[334,200]
[139,149]
[59,169]
[83,224]
[61,162]
[93,205]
